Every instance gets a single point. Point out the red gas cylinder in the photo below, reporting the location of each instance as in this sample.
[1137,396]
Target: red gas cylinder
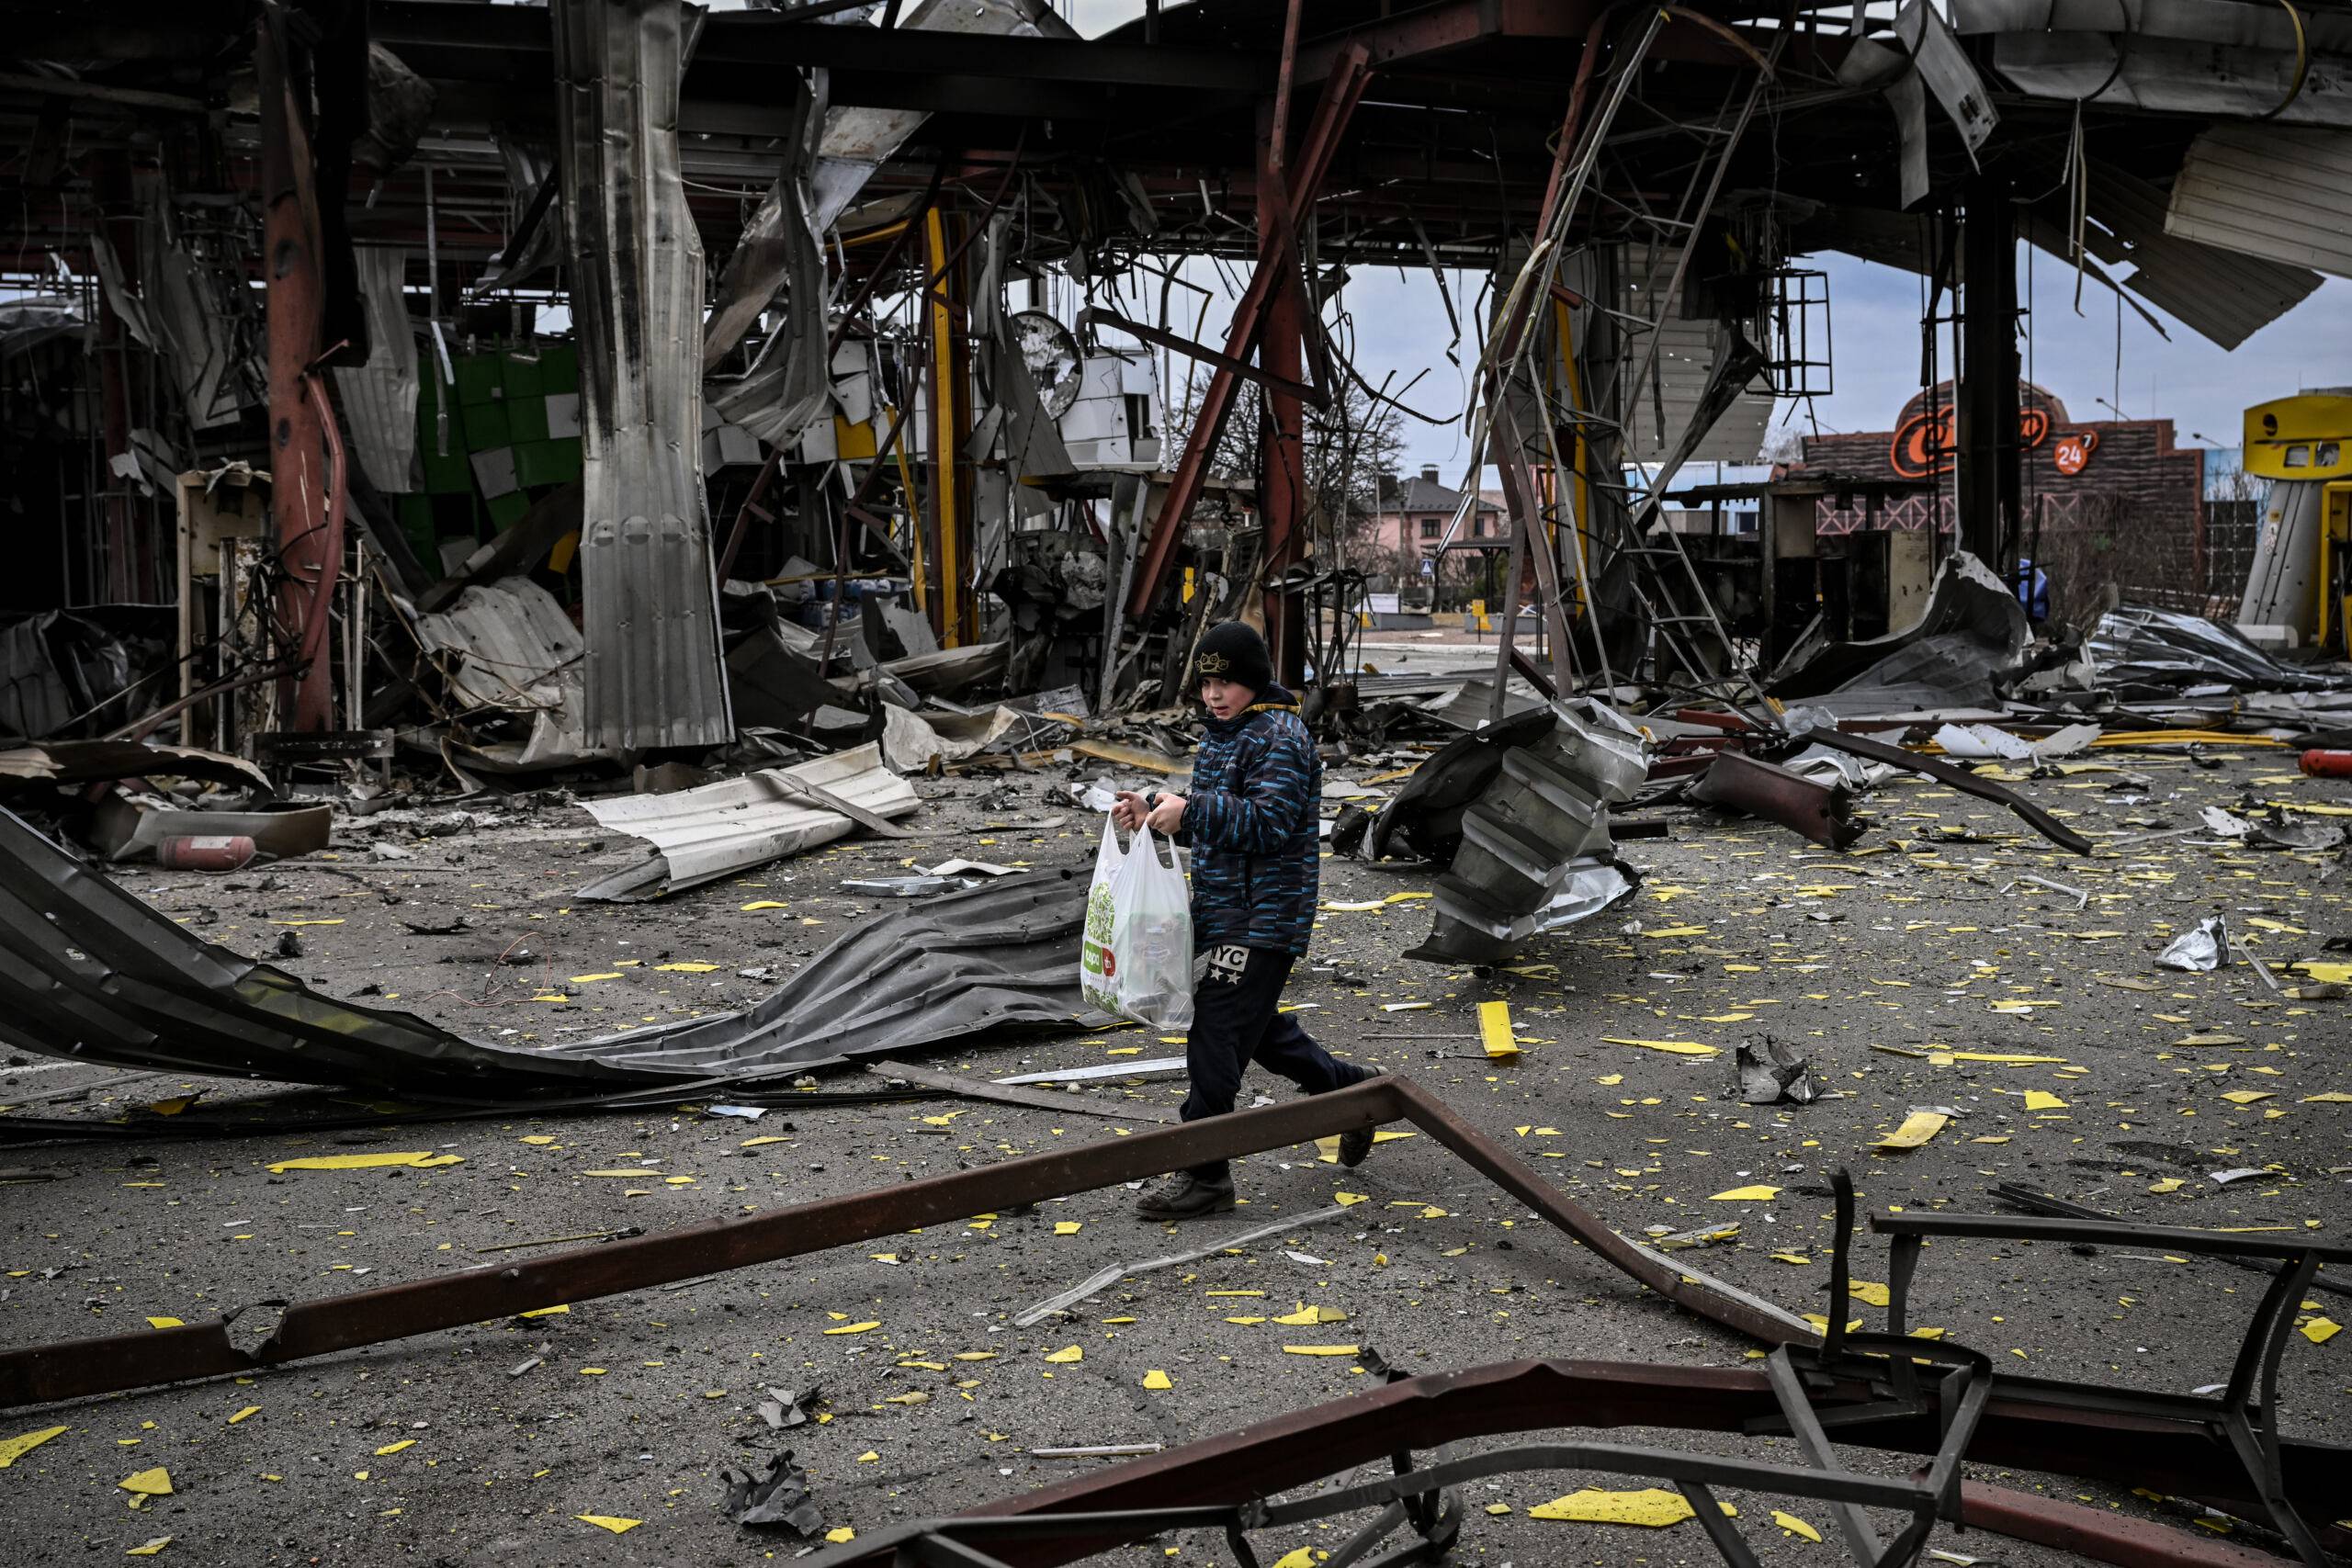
[205,852]
[2328,765]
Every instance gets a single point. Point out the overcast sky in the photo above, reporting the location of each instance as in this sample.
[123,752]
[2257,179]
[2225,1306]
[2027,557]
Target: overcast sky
[1874,319]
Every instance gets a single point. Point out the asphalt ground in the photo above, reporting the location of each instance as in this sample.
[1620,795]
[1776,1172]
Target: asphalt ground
[1885,965]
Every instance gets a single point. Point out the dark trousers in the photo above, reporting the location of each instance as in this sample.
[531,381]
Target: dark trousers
[1234,1023]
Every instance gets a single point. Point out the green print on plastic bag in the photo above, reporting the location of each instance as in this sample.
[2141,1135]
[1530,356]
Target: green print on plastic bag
[1098,968]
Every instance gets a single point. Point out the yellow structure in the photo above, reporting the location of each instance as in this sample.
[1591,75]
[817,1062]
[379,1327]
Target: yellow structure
[2300,585]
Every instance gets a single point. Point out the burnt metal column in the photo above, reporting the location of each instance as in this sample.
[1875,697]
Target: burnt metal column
[1282,451]
[293,306]
[1991,483]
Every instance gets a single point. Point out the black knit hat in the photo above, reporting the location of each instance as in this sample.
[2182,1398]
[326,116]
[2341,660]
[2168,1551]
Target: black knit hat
[1234,651]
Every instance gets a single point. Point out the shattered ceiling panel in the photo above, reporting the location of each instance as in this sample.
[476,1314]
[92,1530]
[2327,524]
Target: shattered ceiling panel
[1655,417]
[2225,296]
[2280,193]
[2234,58]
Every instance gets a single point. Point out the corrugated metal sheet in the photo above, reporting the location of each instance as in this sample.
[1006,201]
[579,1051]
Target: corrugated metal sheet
[699,835]
[1686,356]
[653,673]
[507,647]
[89,972]
[2215,293]
[2281,194]
[378,397]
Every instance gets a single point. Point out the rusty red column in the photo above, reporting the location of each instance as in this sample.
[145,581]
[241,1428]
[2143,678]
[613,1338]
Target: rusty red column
[292,301]
[1282,454]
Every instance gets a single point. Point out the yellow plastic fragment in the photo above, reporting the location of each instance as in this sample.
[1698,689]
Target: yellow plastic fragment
[156,1483]
[1067,1227]
[14,1449]
[1494,1031]
[2246,1096]
[608,1522]
[248,1413]
[686,968]
[2042,1099]
[1066,1356]
[1156,1380]
[165,1323]
[855,1327]
[150,1547]
[1794,1525]
[2320,1330]
[839,1536]
[1678,1047]
[1307,1316]
[1320,1350]
[1917,1128]
[420,1159]
[1757,1193]
[1654,1507]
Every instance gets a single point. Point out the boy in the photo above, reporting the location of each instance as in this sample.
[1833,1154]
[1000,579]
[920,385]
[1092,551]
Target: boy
[1251,824]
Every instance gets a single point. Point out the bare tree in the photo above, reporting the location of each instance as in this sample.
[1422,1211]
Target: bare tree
[1348,446]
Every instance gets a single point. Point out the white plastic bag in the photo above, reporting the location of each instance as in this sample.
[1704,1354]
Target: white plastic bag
[1151,937]
[1097,968]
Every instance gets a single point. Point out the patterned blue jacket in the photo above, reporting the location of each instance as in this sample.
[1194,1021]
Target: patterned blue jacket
[1251,822]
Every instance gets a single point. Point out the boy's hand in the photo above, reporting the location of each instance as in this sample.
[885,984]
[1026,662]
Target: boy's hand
[1166,815]
[1127,811]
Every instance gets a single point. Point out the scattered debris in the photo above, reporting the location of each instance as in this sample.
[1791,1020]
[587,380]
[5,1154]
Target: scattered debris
[2199,948]
[1773,1072]
[778,1495]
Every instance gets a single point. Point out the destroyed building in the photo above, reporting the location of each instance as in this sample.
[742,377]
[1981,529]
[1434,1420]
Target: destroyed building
[586,573]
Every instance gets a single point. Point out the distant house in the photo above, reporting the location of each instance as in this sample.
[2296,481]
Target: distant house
[1414,512]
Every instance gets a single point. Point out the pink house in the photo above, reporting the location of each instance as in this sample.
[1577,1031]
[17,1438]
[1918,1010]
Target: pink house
[1414,512]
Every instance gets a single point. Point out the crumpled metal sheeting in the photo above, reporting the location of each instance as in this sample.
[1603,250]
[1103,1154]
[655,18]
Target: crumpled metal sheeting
[2138,644]
[653,674]
[507,647]
[89,972]
[1004,953]
[1967,643]
[699,835]
[1542,821]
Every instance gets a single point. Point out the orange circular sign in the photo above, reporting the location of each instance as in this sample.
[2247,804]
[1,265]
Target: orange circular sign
[1926,443]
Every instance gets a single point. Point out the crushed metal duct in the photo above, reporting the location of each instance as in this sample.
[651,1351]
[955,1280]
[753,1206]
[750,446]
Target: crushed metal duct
[1536,854]
[653,674]
[699,835]
[89,972]
[1822,812]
